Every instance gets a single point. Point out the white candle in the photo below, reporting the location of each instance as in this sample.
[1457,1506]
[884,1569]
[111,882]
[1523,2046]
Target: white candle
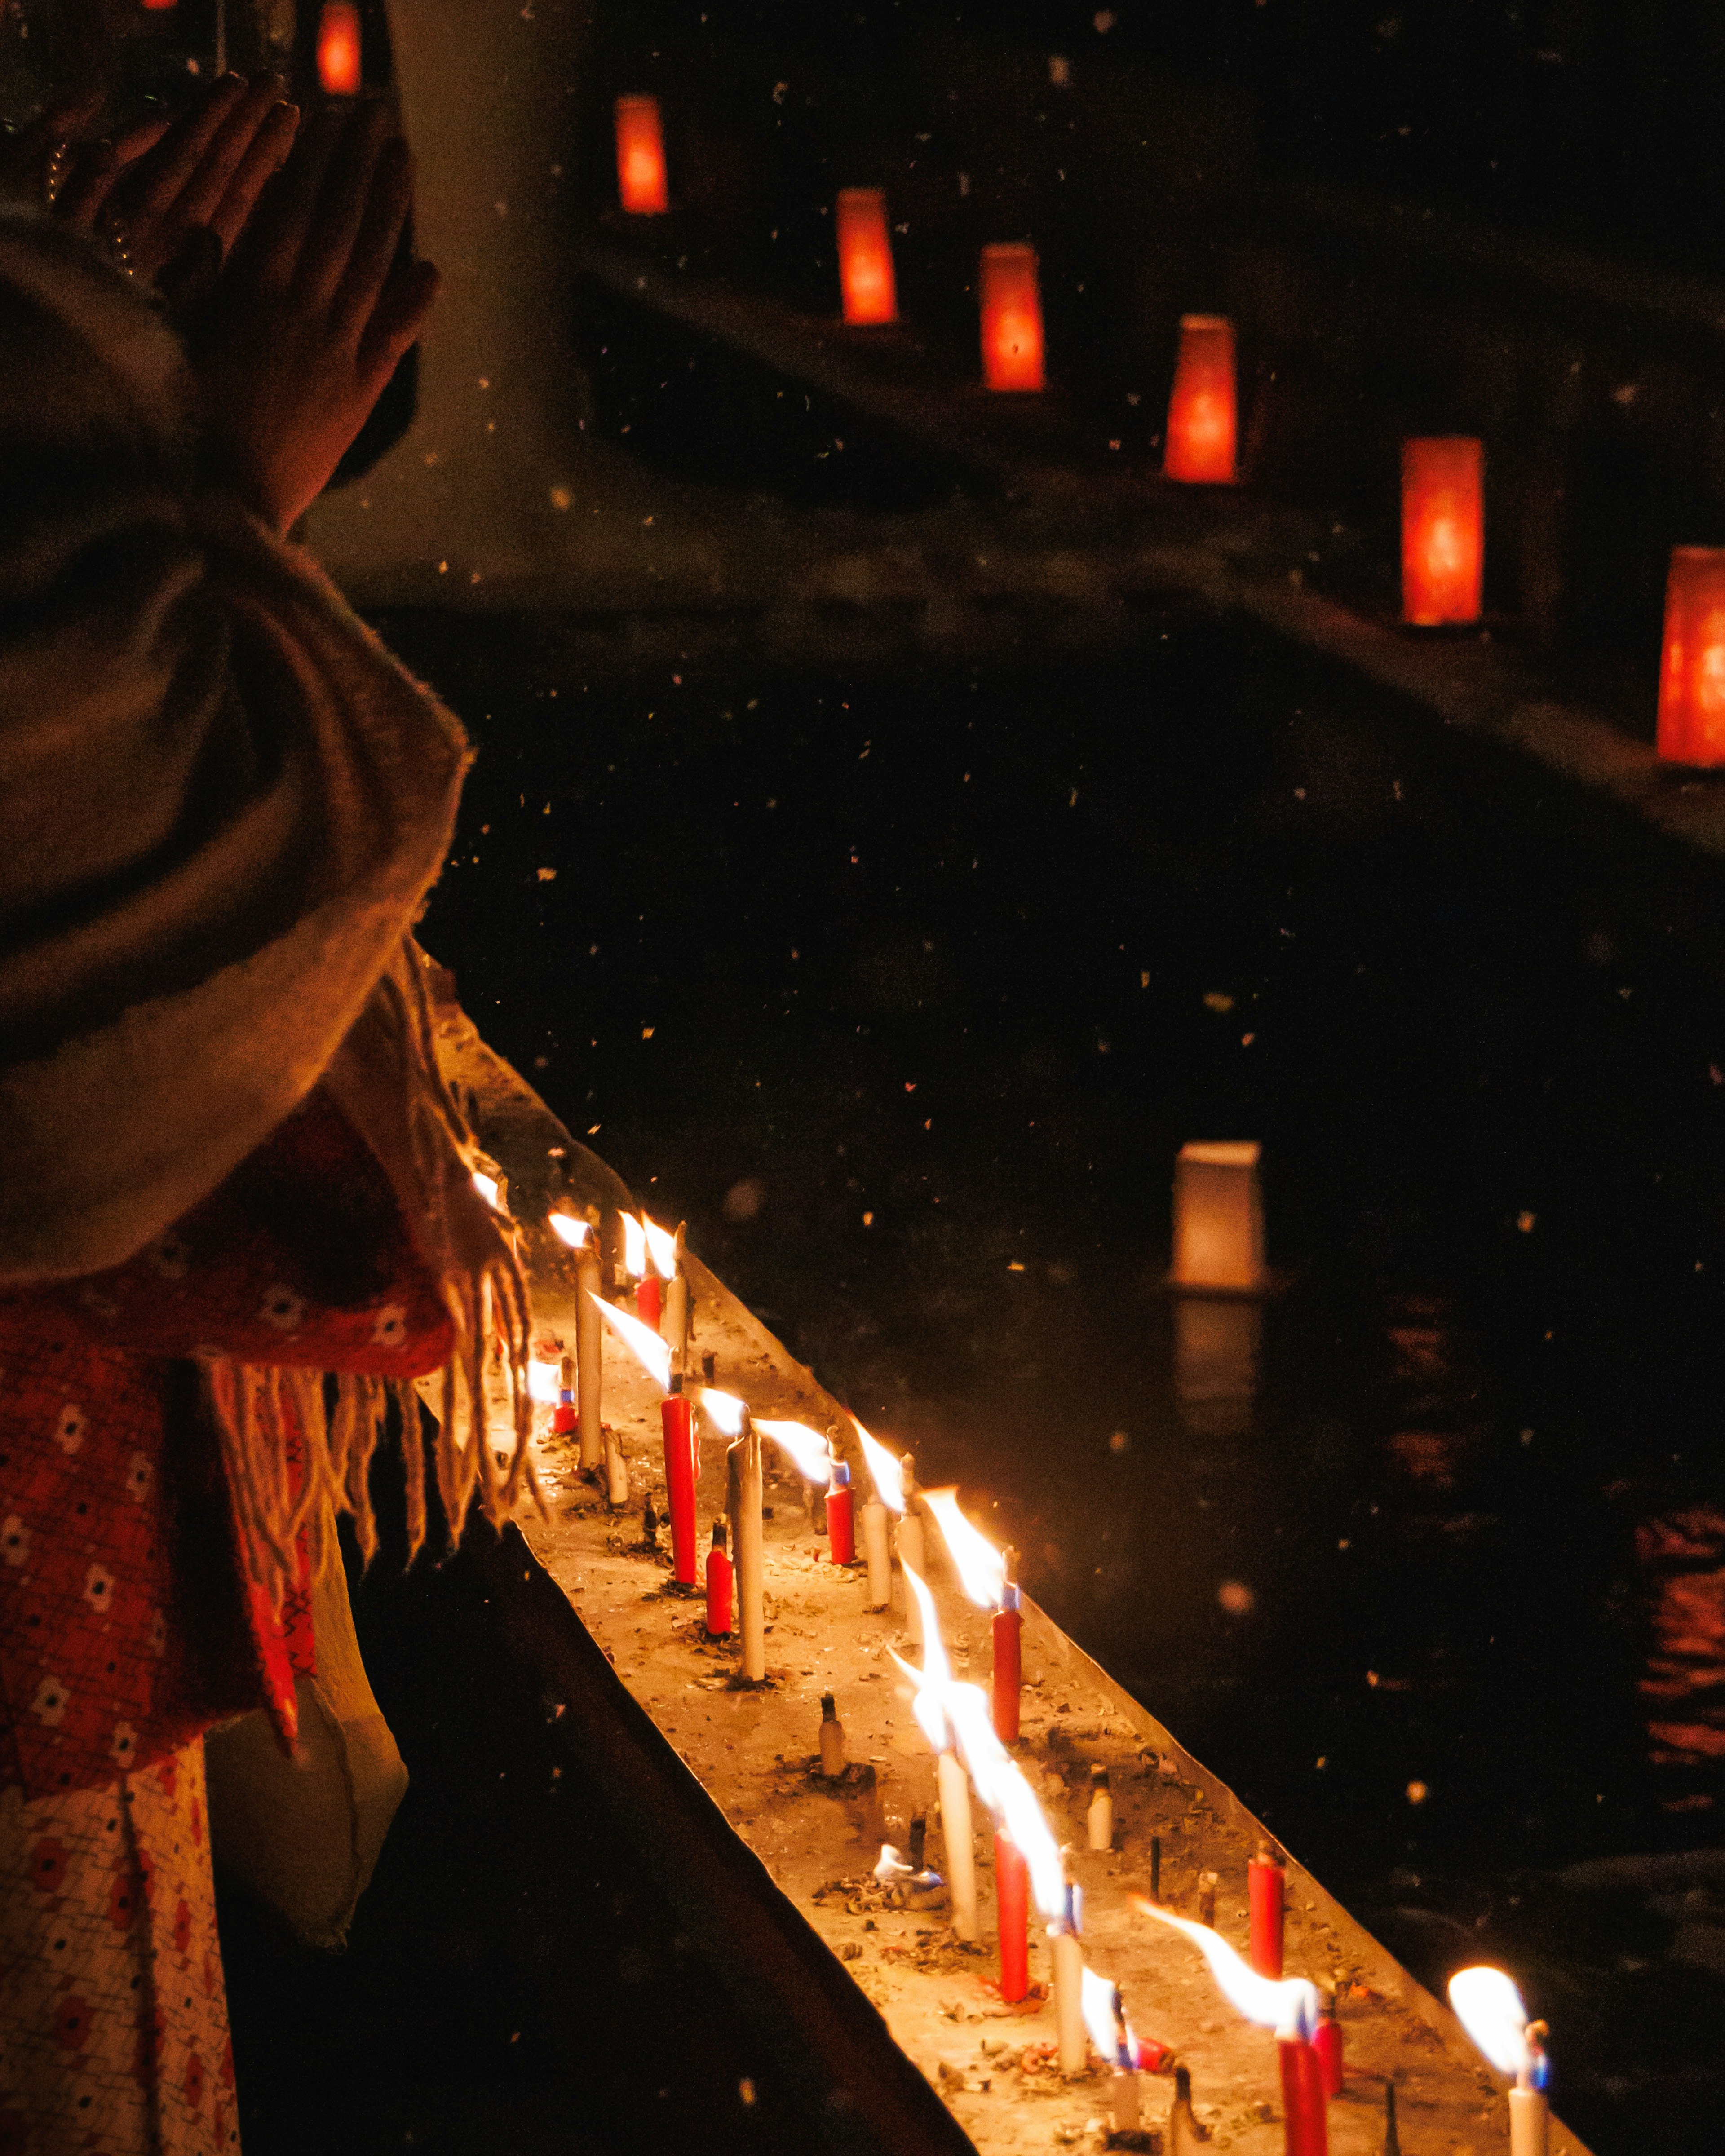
[1099,1821]
[589,1353]
[744,1461]
[1529,2122]
[1067,1953]
[879,1552]
[961,1855]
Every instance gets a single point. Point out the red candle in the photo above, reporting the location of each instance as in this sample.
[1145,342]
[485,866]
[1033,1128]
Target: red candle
[1266,1899]
[1012,317]
[720,1579]
[1327,2044]
[1012,1915]
[1202,417]
[841,1516]
[564,1421]
[1306,2128]
[1443,530]
[641,157]
[649,1300]
[682,1471]
[338,47]
[1691,670]
[1008,1629]
[866,282]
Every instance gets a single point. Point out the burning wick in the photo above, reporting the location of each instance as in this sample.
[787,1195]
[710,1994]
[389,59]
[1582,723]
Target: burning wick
[985,1573]
[832,1739]
[1489,2007]
[1098,1821]
[1290,2008]
[889,1872]
[578,1237]
[720,1581]
[743,1502]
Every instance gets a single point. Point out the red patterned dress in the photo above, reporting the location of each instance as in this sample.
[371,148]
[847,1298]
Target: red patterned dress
[130,1621]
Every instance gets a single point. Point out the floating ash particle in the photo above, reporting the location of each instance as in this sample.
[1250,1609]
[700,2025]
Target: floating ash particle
[1236,1598]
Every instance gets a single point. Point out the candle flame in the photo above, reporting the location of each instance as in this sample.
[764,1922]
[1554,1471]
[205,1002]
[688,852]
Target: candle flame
[980,1567]
[1489,2007]
[634,1246]
[1107,2024]
[643,1342]
[569,1230]
[487,1187]
[890,1869]
[960,1715]
[889,1475]
[727,1410]
[544,1383]
[813,1461]
[662,1245]
[1289,2007]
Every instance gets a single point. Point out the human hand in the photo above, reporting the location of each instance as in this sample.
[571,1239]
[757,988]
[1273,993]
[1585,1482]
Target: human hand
[157,190]
[298,336]
[35,160]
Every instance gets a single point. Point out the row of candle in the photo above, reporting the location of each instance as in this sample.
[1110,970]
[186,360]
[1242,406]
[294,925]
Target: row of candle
[971,1736]
[1443,549]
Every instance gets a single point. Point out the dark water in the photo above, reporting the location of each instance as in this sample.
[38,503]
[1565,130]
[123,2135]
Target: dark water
[906,992]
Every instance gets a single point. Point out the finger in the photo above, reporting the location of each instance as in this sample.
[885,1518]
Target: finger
[400,316]
[204,189]
[342,202]
[268,148]
[177,156]
[190,277]
[373,254]
[277,234]
[138,141]
[87,187]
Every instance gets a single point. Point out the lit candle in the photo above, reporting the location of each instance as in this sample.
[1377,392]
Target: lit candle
[983,1572]
[1066,1954]
[579,1238]
[682,1473]
[1202,422]
[641,157]
[1489,2007]
[813,1457]
[895,1485]
[877,1551]
[664,1251]
[744,1503]
[720,1600]
[867,283]
[1218,1217]
[1011,306]
[954,1786]
[649,1302]
[1012,1917]
[1267,1905]
[841,1516]
[1106,2022]
[1443,530]
[1289,2007]
[676,1302]
[1692,669]
[338,49]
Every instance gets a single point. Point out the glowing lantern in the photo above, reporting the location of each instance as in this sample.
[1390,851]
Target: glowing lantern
[641,157]
[338,47]
[1443,530]
[1691,670]
[1011,305]
[866,278]
[1202,418]
[1218,1217]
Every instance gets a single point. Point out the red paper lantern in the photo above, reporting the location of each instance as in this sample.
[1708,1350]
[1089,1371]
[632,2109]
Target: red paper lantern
[338,47]
[641,157]
[1203,422]
[1443,530]
[865,276]
[1011,305]
[1692,669]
